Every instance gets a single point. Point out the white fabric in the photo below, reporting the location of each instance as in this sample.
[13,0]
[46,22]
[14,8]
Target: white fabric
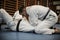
[8,19]
[25,26]
[12,21]
[36,12]
[17,16]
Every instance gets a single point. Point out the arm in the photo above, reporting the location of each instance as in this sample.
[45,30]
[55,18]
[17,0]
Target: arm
[33,17]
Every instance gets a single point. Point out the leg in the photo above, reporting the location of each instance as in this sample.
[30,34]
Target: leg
[7,18]
[44,31]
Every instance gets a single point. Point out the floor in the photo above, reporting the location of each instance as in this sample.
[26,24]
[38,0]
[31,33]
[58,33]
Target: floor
[6,35]
[27,36]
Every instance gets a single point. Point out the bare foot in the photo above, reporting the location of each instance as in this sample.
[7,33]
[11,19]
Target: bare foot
[57,30]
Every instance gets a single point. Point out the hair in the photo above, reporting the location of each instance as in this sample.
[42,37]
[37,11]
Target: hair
[21,9]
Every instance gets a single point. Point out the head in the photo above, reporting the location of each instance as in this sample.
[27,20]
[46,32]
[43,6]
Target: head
[23,12]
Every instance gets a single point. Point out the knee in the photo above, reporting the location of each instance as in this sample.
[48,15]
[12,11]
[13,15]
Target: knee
[38,31]
[2,10]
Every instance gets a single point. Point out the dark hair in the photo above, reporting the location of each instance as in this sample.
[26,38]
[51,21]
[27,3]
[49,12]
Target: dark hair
[21,9]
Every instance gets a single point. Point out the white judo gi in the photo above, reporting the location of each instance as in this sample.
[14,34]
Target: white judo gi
[36,14]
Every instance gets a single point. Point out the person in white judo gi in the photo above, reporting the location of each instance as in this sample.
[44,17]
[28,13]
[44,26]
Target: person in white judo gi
[35,18]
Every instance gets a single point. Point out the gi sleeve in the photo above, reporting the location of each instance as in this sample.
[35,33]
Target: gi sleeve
[33,17]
